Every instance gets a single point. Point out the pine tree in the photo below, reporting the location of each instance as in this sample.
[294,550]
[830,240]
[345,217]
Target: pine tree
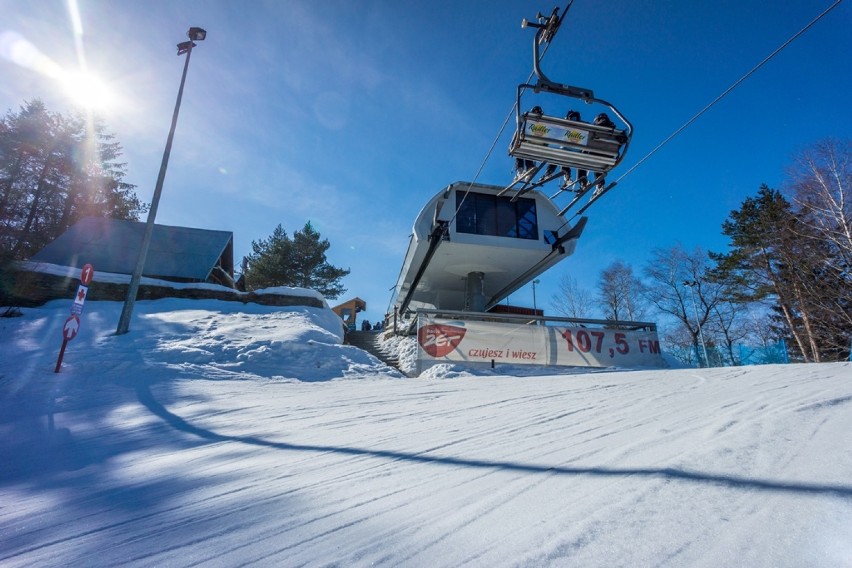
[298,262]
[54,170]
[310,265]
[270,263]
[777,258]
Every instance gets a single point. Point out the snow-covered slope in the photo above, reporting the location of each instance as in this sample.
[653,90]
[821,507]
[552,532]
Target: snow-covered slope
[226,435]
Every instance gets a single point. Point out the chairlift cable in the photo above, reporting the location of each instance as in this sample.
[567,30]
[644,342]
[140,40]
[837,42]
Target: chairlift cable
[712,103]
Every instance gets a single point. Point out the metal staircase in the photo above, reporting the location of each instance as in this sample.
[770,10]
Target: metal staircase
[369,342]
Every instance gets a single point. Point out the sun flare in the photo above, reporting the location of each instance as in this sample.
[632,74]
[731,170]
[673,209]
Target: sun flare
[87,90]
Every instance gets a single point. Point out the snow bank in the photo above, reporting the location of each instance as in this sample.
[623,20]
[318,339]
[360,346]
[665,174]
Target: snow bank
[215,338]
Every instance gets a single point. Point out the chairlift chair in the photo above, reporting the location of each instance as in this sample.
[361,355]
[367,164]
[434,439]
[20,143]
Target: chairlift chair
[558,141]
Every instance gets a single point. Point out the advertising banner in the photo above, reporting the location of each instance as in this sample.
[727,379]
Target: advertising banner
[443,340]
[545,130]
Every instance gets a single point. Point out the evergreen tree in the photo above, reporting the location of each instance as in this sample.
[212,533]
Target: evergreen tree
[54,170]
[298,262]
[270,263]
[776,257]
[310,266]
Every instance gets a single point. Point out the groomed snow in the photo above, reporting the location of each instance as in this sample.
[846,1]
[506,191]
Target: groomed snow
[223,434]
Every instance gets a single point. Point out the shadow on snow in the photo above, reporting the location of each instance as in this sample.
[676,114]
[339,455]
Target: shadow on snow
[147,399]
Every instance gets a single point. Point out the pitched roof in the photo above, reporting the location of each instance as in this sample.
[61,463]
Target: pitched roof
[111,245]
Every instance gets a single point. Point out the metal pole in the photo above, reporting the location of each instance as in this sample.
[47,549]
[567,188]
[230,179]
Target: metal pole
[133,289]
[61,354]
[535,307]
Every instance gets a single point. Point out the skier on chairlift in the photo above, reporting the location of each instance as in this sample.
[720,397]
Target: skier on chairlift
[523,167]
[582,175]
[602,120]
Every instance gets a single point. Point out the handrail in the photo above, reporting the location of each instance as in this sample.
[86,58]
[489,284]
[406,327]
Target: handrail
[540,320]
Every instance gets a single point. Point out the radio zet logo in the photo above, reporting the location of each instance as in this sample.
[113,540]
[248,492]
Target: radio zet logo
[439,340]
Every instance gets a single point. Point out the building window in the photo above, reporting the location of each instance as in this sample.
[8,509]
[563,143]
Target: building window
[485,214]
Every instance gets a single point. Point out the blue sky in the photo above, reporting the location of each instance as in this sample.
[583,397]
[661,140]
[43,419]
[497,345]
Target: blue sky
[352,114]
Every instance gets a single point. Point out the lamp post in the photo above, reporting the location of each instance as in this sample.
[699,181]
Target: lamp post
[691,285]
[534,282]
[194,34]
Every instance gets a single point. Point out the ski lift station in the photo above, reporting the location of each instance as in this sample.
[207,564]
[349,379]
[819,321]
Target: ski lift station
[471,247]
[473,244]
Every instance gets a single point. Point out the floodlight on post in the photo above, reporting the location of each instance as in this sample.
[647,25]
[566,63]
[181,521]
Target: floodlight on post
[535,307]
[194,34]
[691,285]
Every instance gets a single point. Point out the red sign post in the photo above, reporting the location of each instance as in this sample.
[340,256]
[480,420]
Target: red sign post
[69,331]
[72,324]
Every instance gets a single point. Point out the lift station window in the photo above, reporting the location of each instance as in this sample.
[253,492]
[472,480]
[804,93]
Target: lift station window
[486,214]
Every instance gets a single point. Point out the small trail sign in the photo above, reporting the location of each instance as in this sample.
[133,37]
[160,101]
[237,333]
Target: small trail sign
[86,274]
[72,324]
[71,327]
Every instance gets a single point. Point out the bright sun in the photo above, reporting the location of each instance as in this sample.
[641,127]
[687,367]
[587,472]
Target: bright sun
[87,91]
